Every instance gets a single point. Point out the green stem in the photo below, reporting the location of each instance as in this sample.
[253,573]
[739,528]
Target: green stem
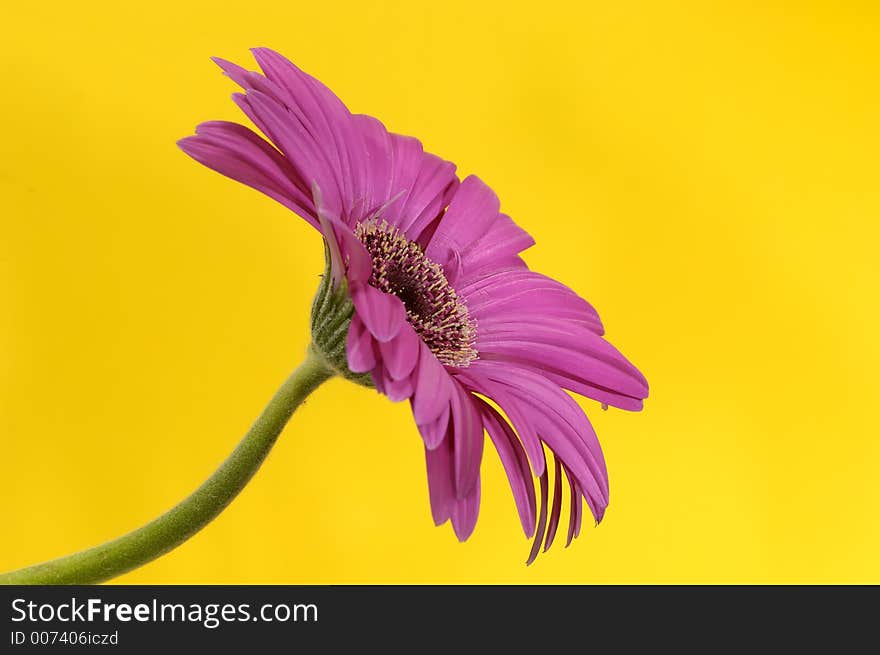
[193,513]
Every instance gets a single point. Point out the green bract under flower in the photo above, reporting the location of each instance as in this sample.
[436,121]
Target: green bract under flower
[332,310]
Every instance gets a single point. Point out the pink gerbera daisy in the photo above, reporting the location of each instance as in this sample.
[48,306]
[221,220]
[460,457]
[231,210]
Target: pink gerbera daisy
[427,299]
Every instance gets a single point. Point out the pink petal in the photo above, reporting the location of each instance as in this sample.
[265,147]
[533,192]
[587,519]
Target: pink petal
[401,354]
[465,512]
[520,292]
[433,388]
[359,347]
[556,509]
[542,520]
[307,156]
[498,248]
[584,366]
[434,432]
[428,195]
[324,117]
[236,152]
[572,335]
[378,150]
[574,520]
[513,458]
[537,406]
[382,313]
[468,441]
[235,72]
[473,208]
[599,394]
[397,390]
[440,486]
[477,382]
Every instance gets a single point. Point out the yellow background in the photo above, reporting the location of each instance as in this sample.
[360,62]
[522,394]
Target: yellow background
[705,173]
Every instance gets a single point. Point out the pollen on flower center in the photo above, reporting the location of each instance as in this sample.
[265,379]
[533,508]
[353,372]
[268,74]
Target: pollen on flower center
[438,315]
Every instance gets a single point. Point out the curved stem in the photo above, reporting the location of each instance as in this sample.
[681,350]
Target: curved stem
[193,513]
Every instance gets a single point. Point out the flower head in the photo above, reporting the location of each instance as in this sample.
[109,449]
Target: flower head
[427,299]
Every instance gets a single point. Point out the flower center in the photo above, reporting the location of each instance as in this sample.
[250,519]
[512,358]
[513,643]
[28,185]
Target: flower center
[438,315]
